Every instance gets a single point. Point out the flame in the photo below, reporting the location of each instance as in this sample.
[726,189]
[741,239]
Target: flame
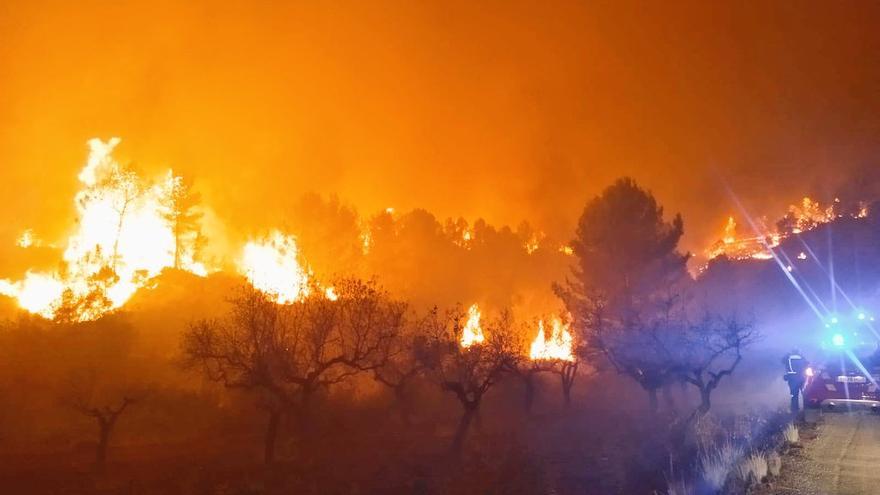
[566,250]
[271,266]
[801,217]
[472,333]
[366,242]
[122,239]
[729,231]
[558,346]
[534,242]
[330,293]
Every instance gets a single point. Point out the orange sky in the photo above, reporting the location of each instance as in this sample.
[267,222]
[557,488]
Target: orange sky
[498,109]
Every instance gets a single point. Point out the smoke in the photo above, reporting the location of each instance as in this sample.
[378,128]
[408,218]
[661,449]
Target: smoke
[504,112]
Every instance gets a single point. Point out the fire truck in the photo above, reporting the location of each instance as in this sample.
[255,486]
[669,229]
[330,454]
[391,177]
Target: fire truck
[848,373]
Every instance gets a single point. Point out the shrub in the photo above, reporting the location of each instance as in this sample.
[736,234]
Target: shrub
[790,434]
[753,469]
[774,463]
[716,463]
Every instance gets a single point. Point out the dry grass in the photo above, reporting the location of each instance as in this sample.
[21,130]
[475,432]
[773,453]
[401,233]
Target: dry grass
[716,463]
[774,463]
[790,434]
[753,469]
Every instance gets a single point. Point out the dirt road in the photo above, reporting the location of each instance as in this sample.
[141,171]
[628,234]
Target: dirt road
[844,459]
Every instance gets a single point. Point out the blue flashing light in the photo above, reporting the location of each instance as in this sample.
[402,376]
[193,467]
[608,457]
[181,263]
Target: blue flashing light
[862,316]
[834,319]
[837,340]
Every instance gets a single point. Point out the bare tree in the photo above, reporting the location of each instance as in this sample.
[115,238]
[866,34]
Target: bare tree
[567,371]
[127,184]
[288,353]
[401,364]
[84,395]
[710,350]
[527,370]
[639,346]
[468,372]
[183,214]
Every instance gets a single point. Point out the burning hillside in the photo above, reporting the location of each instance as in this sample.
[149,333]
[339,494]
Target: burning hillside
[127,231]
[129,228]
[800,218]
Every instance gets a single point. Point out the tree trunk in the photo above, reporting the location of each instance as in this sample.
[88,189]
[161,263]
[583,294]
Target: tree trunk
[568,375]
[705,401]
[271,436]
[176,248]
[106,428]
[470,410]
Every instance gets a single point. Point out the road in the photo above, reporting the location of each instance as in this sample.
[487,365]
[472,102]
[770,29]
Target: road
[844,459]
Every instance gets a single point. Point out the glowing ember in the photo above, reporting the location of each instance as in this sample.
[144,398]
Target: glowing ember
[558,346]
[330,293]
[122,239]
[26,239]
[271,266]
[533,243]
[566,250]
[472,333]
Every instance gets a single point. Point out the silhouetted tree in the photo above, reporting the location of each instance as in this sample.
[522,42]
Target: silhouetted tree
[289,352]
[527,371]
[401,364]
[710,350]
[105,406]
[467,372]
[183,213]
[627,264]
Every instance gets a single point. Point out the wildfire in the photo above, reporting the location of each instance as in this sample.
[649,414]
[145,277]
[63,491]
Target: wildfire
[802,217]
[472,333]
[533,242]
[558,346]
[122,239]
[271,266]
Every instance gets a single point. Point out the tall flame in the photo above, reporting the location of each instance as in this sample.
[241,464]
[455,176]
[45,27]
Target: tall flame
[122,239]
[272,266]
[472,333]
[558,346]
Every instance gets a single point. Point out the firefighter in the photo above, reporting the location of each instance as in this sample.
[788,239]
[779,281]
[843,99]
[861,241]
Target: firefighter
[796,376]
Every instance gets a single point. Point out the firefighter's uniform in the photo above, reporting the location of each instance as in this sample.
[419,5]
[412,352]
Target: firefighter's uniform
[796,376]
